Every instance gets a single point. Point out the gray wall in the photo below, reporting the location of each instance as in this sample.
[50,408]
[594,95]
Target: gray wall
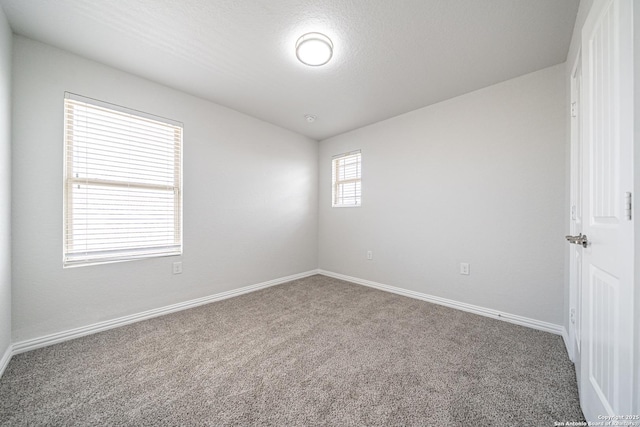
[250,199]
[479,179]
[5,184]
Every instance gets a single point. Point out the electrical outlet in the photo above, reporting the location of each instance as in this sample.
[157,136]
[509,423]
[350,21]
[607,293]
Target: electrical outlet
[464,268]
[177,267]
[369,255]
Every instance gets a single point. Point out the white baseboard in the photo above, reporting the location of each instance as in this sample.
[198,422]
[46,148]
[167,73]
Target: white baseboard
[58,337]
[6,357]
[32,344]
[482,311]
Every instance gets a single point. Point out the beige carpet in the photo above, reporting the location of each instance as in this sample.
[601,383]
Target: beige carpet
[316,351]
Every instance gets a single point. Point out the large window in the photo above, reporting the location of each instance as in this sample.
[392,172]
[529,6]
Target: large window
[347,179]
[123,183]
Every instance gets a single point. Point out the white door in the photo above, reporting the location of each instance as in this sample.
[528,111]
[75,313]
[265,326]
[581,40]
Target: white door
[606,378]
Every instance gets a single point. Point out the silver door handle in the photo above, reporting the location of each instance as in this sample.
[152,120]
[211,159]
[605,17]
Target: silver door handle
[580,239]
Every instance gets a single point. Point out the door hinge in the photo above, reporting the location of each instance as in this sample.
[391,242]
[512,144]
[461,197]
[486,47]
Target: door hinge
[574,109]
[627,205]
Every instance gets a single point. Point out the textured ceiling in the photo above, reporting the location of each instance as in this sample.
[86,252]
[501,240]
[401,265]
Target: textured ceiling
[390,57]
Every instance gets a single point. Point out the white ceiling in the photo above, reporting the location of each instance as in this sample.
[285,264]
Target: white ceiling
[390,57]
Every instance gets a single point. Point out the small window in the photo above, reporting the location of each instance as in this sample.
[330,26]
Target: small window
[347,185]
[123,183]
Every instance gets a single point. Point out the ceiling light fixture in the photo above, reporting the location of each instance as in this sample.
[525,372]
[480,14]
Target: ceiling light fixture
[310,118]
[314,49]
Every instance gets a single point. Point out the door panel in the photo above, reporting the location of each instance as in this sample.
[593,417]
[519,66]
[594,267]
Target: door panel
[607,262]
[603,342]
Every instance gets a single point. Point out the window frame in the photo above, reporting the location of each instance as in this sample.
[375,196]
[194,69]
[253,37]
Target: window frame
[73,257]
[336,183]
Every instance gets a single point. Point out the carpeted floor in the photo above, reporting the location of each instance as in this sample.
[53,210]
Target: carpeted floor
[316,351]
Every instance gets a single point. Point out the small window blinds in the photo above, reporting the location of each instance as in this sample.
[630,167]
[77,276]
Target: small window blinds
[123,183]
[347,176]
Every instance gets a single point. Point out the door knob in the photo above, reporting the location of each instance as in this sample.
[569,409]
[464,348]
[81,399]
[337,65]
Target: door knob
[580,239]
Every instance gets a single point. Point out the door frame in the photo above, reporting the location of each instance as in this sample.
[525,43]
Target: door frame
[575,177]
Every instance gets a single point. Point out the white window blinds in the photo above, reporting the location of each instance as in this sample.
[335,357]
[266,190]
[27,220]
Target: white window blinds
[123,183]
[347,179]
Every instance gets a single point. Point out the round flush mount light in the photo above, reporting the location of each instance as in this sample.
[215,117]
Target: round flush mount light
[314,49]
